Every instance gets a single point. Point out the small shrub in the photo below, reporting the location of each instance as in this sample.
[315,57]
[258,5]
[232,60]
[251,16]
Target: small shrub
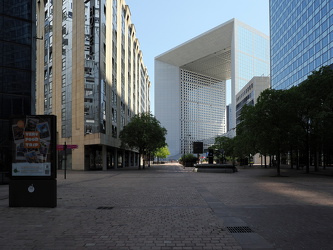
[187,159]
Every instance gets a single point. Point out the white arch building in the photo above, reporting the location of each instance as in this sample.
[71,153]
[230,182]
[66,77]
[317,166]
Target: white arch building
[190,82]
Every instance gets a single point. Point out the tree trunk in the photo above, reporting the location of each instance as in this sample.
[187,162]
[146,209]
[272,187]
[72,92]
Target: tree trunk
[270,161]
[316,159]
[144,161]
[139,161]
[308,161]
[278,162]
[291,158]
[265,161]
[307,150]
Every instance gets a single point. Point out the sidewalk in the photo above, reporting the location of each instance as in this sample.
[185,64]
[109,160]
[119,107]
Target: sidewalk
[168,207]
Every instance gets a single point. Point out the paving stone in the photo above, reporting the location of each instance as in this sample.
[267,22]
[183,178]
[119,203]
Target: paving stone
[168,207]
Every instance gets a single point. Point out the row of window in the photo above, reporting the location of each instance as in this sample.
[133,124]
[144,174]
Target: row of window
[302,35]
[247,90]
[202,102]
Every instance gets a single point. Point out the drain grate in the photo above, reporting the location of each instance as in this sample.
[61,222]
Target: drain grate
[236,230]
[105,208]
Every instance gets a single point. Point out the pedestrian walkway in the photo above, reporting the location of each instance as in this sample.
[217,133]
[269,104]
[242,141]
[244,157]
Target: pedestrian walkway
[169,207]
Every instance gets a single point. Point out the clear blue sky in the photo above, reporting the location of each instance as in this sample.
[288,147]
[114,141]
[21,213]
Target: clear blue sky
[164,24]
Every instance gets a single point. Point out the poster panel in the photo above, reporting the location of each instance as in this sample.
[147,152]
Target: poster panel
[34,146]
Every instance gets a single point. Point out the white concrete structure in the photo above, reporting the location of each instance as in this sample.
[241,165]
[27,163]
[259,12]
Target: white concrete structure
[190,82]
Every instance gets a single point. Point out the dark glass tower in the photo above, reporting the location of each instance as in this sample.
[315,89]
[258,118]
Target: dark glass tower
[17,66]
[301,39]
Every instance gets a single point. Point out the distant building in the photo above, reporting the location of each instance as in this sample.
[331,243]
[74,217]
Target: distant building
[301,39]
[190,82]
[249,96]
[250,93]
[228,112]
[17,67]
[91,75]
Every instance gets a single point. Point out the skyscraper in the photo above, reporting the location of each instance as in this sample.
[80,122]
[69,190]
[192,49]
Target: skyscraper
[301,39]
[17,66]
[90,73]
[190,82]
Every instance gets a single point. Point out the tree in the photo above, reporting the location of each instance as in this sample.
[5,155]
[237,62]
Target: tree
[223,148]
[246,141]
[144,134]
[317,115]
[162,153]
[264,127]
[298,119]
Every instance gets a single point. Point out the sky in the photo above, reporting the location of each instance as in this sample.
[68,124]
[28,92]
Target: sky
[162,25]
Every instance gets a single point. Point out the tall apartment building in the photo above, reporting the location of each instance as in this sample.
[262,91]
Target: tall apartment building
[17,67]
[190,82]
[91,75]
[301,39]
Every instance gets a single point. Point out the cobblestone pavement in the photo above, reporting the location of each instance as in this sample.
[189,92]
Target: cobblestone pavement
[168,207]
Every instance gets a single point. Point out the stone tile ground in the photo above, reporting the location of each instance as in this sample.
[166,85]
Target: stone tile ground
[167,207]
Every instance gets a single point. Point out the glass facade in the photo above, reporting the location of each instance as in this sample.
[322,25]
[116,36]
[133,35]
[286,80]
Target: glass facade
[99,83]
[301,39]
[252,56]
[128,71]
[17,43]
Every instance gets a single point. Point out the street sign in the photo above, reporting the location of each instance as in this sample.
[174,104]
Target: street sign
[197,147]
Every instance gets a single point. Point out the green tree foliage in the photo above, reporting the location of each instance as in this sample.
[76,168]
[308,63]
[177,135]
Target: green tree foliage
[317,115]
[274,124]
[162,153]
[144,134]
[223,148]
[246,140]
[299,119]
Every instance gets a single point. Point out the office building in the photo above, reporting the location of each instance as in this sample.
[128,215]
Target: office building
[249,94]
[301,39]
[17,67]
[91,75]
[190,82]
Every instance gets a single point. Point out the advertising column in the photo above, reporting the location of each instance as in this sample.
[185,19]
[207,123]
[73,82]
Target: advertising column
[33,171]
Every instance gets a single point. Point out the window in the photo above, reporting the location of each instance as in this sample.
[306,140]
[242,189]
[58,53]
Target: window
[63,81]
[63,97]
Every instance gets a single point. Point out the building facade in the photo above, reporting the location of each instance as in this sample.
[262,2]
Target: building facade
[91,75]
[301,39]
[249,94]
[190,82]
[17,67]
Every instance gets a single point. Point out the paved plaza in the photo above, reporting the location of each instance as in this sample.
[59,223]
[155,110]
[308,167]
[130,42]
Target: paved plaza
[168,207]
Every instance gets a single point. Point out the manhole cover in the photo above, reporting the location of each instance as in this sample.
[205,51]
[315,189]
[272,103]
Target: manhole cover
[105,208]
[235,230]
